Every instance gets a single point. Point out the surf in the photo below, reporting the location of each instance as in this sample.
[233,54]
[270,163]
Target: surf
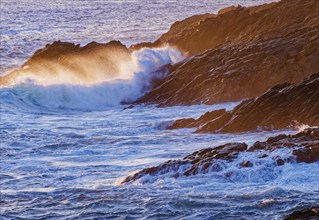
[132,79]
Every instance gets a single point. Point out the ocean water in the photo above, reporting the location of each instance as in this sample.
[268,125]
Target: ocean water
[66,147]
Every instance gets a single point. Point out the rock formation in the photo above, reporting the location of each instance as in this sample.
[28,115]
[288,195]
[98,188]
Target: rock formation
[282,106]
[311,213]
[240,53]
[304,145]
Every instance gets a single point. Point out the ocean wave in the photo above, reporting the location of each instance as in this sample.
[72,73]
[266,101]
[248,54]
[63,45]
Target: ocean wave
[133,80]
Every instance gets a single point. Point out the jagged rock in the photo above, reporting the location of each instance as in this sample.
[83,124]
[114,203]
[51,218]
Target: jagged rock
[234,25]
[307,142]
[89,64]
[305,145]
[197,162]
[304,214]
[241,54]
[280,107]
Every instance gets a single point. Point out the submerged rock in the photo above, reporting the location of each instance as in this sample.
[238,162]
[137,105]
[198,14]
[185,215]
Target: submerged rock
[282,106]
[304,214]
[246,163]
[240,53]
[305,147]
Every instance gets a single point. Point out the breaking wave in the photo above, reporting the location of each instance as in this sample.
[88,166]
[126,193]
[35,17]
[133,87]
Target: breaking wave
[132,81]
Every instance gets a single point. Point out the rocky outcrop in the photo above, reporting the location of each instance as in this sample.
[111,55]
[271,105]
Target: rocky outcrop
[282,106]
[243,53]
[191,122]
[67,62]
[239,53]
[237,25]
[308,139]
[304,214]
[304,145]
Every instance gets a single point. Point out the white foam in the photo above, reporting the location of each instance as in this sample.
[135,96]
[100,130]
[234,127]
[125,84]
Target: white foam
[133,80]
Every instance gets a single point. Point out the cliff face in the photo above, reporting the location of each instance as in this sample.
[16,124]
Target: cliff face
[70,63]
[282,106]
[234,25]
[248,51]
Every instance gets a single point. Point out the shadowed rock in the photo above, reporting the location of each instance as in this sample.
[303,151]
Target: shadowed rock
[241,54]
[308,139]
[191,122]
[304,214]
[282,106]
[304,145]
[197,162]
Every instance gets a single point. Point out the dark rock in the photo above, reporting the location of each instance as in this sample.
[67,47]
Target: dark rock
[280,162]
[214,159]
[128,107]
[262,156]
[190,122]
[183,123]
[290,106]
[308,154]
[198,162]
[304,214]
[306,142]
[246,163]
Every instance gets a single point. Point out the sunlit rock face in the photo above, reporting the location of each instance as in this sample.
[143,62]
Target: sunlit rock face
[62,62]
[236,24]
[302,147]
[240,53]
[285,105]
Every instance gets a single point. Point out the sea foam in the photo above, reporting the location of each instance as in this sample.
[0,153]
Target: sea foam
[132,81]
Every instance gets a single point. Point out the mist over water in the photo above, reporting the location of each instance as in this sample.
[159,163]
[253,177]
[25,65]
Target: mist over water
[64,92]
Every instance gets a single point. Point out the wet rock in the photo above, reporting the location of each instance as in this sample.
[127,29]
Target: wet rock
[246,163]
[304,214]
[305,145]
[280,162]
[198,162]
[306,142]
[308,154]
[282,107]
[190,122]
[128,107]
[242,53]
[183,123]
[262,156]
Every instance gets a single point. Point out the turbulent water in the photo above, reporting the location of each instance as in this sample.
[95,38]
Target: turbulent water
[65,147]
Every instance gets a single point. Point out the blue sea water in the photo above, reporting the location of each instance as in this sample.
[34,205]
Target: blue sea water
[66,147]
